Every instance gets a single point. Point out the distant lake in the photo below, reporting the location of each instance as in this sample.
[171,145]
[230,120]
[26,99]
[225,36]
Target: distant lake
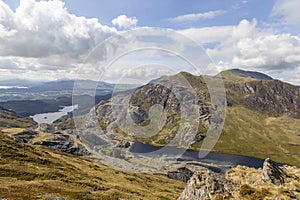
[49,118]
[11,87]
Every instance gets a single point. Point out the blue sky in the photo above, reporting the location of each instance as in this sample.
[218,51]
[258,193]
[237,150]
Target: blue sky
[155,13]
[50,39]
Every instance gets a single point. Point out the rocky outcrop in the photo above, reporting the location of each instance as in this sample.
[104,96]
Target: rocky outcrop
[63,142]
[273,173]
[205,185]
[46,128]
[25,136]
[181,174]
[245,183]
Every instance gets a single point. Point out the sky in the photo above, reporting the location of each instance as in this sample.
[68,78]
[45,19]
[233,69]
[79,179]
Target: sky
[66,39]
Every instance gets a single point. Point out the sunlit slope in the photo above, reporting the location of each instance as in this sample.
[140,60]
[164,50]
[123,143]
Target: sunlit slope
[10,119]
[251,133]
[30,172]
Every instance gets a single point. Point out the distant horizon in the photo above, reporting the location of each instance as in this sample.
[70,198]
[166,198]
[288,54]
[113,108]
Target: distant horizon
[116,83]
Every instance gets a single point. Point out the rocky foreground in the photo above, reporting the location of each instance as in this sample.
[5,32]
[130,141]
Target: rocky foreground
[271,182]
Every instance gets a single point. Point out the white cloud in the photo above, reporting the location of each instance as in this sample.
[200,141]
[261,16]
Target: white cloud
[42,34]
[287,12]
[208,34]
[197,16]
[249,47]
[125,22]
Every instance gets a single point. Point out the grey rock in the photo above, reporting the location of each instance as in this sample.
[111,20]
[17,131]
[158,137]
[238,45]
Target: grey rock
[46,128]
[137,114]
[182,174]
[203,185]
[64,143]
[49,196]
[273,173]
[124,144]
[25,136]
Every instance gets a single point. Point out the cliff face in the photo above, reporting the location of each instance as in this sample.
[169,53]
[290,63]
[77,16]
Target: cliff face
[271,97]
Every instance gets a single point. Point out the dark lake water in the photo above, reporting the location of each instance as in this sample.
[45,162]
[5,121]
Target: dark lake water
[191,155]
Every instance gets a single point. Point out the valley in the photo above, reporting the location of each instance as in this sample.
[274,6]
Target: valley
[75,156]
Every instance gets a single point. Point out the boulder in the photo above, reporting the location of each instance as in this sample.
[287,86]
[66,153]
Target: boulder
[271,172]
[182,174]
[205,185]
[124,144]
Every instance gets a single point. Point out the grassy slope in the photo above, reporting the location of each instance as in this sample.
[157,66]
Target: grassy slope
[26,171]
[251,133]
[230,77]
[10,119]
[253,188]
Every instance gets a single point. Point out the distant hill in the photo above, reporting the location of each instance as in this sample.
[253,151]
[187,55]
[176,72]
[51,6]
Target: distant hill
[19,82]
[12,90]
[9,119]
[28,108]
[50,96]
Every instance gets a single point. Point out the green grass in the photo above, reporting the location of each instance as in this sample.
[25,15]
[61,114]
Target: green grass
[250,133]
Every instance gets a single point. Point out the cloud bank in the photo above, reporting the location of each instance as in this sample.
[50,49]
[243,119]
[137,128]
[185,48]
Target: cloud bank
[250,47]
[45,35]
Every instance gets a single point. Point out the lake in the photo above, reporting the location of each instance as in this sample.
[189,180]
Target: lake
[49,118]
[192,155]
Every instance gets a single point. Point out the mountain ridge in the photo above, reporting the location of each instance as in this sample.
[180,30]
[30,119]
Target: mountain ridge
[261,103]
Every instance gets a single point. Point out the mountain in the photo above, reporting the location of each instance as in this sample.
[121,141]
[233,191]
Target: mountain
[10,119]
[262,115]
